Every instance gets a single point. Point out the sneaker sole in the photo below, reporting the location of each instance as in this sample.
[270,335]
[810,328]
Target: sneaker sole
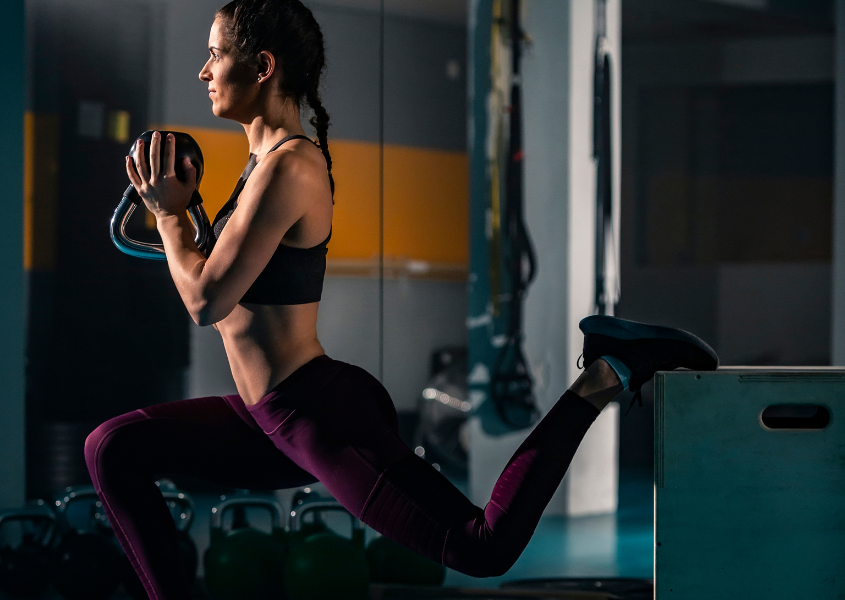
[705,358]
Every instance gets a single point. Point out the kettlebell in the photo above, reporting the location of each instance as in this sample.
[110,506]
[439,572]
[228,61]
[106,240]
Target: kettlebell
[182,509]
[186,146]
[324,565]
[392,563]
[24,569]
[245,562]
[316,525]
[86,563]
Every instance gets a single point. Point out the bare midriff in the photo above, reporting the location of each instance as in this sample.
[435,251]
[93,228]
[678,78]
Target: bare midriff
[266,343]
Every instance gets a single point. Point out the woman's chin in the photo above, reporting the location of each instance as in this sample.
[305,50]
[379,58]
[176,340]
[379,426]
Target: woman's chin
[223,112]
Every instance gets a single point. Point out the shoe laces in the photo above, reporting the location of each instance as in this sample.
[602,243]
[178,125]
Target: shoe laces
[638,398]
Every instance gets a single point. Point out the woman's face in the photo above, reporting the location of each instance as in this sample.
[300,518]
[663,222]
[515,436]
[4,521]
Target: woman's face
[232,86]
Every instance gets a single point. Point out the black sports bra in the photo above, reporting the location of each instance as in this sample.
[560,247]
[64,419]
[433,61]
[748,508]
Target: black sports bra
[293,275]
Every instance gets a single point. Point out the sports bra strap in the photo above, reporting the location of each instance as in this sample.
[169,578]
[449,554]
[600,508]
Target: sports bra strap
[289,138]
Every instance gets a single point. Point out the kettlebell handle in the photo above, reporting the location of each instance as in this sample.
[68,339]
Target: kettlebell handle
[185,502]
[32,513]
[72,494]
[186,146]
[321,506]
[276,511]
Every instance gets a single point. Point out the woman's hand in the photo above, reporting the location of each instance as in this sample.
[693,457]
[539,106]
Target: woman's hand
[163,193]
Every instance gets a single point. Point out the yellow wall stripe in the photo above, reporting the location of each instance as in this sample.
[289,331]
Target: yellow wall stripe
[41,150]
[426,204]
[426,197]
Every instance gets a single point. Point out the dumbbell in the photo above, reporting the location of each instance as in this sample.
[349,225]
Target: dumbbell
[186,146]
[25,568]
[324,565]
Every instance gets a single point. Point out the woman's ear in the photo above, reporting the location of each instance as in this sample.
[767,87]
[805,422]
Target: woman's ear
[266,65]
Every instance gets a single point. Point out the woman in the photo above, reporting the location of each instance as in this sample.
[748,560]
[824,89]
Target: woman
[301,416]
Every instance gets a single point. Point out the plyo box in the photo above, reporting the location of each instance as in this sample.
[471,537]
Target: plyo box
[743,510]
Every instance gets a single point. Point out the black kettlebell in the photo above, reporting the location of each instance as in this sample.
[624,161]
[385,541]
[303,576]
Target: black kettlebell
[325,566]
[182,510]
[86,563]
[186,146]
[24,569]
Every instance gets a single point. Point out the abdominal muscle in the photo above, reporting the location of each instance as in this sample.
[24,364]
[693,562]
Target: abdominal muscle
[267,343]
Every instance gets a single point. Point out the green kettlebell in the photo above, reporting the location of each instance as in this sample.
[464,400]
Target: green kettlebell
[24,569]
[391,562]
[245,562]
[325,566]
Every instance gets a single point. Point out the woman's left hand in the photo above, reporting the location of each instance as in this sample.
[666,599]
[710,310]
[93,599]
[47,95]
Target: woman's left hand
[162,192]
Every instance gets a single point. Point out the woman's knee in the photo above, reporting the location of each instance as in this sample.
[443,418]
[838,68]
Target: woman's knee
[477,558]
[109,442]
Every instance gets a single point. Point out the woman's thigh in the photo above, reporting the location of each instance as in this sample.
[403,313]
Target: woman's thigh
[207,438]
[343,430]
[340,425]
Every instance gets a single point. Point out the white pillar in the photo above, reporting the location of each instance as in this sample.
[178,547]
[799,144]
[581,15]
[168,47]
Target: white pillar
[12,307]
[560,180]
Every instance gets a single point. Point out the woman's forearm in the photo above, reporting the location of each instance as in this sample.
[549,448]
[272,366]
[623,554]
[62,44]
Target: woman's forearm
[186,264]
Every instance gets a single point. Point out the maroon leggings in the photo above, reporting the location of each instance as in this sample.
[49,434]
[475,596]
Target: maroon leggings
[333,422]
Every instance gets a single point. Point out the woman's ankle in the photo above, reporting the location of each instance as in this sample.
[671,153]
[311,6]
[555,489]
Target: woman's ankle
[598,384]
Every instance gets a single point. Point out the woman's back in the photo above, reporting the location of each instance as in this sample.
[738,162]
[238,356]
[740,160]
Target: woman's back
[266,342]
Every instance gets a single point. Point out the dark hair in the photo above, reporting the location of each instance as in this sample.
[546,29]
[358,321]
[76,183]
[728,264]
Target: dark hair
[288,30]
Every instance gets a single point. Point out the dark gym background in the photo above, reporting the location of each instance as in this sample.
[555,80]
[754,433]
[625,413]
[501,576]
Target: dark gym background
[727,158]
[702,157]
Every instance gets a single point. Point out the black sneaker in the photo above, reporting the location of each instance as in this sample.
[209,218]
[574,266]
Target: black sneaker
[644,349]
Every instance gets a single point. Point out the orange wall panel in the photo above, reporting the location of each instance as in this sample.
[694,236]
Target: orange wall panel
[426,195]
[426,204]
[40,210]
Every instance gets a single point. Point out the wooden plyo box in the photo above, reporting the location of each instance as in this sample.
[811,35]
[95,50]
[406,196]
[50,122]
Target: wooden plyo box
[743,511]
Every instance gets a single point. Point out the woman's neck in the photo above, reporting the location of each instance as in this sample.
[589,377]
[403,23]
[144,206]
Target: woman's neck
[271,125]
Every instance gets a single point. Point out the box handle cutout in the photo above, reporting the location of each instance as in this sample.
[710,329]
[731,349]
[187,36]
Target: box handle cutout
[795,416]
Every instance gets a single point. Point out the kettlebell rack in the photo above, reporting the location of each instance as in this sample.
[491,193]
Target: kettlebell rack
[297,559]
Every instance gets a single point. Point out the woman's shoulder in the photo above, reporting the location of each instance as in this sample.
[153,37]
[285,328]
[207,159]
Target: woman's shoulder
[297,159]
[290,171]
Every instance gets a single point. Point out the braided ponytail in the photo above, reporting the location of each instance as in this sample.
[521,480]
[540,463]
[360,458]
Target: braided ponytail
[289,30]
[320,122]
